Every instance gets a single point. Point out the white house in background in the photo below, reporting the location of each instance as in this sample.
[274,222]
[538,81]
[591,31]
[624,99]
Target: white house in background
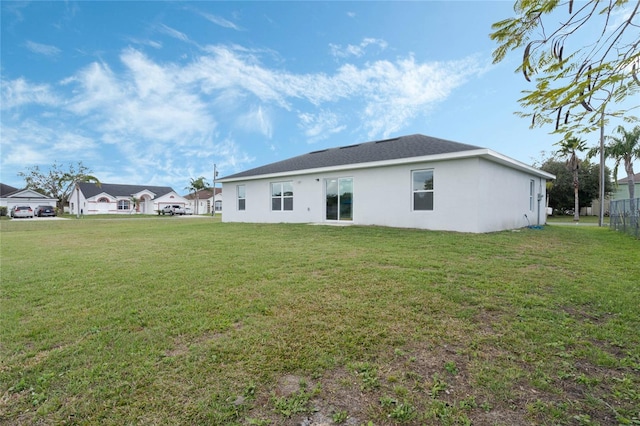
[412,181]
[10,197]
[108,198]
[202,201]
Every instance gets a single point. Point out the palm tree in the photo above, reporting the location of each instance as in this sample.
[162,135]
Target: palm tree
[134,203]
[625,149]
[569,149]
[196,185]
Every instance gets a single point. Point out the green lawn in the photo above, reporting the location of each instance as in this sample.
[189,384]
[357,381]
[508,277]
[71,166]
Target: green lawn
[191,321]
[583,219]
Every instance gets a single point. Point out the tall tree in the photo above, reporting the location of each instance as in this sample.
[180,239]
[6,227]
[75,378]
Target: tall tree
[625,149]
[573,88]
[196,185]
[569,149]
[561,196]
[57,182]
[578,88]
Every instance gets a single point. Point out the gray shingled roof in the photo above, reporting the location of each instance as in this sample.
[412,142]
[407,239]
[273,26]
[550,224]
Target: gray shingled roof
[7,189]
[625,180]
[367,152]
[91,189]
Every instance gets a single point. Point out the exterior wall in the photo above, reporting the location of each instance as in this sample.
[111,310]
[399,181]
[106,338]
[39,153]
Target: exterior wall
[146,204]
[470,195]
[206,204]
[167,200]
[622,191]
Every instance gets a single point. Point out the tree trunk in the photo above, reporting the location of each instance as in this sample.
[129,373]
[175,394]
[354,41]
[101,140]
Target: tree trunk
[632,192]
[576,201]
[630,179]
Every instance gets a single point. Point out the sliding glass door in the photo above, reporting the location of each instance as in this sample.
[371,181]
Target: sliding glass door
[339,199]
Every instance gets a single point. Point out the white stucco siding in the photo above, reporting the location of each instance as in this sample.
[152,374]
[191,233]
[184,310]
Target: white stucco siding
[381,196]
[384,196]
[505,197]
[470,195]
[307,201]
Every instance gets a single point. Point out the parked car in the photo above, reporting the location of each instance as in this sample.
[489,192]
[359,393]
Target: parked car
[188,210]
[173,209]
[21,211]
[42,211]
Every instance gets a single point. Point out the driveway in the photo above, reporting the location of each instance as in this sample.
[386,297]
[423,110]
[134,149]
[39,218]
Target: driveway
[29,219]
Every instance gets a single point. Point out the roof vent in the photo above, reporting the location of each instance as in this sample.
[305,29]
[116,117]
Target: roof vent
[319,151]
[349,146]
[387,140]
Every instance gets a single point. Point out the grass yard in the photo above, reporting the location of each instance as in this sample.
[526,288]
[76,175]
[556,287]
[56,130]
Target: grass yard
[189,321]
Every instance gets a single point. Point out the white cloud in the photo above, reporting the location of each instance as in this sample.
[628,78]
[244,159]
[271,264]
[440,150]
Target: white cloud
[33,143]
[150,43]
[148,102]
[19,92]
[320,126]
[171,32]
[42,49]
[165,117]
[258,120]
[358,50]
[219,21]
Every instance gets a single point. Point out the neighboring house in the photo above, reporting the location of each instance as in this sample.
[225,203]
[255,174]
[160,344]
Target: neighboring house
[107,198]
[10,196]
[204,201]
[622,189]
[412,181]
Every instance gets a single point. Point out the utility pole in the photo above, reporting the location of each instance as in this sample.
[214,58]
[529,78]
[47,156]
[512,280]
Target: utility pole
[602,171]
[213,203]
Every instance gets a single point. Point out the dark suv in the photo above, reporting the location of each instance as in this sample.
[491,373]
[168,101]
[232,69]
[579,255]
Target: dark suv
[42,211]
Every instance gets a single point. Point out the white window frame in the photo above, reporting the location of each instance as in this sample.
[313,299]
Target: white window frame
[282,197]
[415,191]
[241,193]
[532,192]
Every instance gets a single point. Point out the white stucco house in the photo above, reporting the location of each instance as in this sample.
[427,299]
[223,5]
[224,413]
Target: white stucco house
[108,198]
[10,197]
[202,201]
[411,181]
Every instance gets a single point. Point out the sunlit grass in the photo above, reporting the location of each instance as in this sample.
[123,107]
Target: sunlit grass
[176,321]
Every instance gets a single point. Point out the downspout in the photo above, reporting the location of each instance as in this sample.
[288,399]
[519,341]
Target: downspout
[539,197]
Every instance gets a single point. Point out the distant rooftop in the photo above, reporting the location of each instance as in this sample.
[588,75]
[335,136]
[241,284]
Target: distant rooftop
[90,189]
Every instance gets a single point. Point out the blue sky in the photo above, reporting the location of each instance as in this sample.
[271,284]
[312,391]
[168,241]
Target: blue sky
[158,92]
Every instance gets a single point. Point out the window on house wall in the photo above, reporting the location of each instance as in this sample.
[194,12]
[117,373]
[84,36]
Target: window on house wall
[103,200]
[282,196]
[123,205]
[532,190]
[241,197]
[218,205]
[422,189]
